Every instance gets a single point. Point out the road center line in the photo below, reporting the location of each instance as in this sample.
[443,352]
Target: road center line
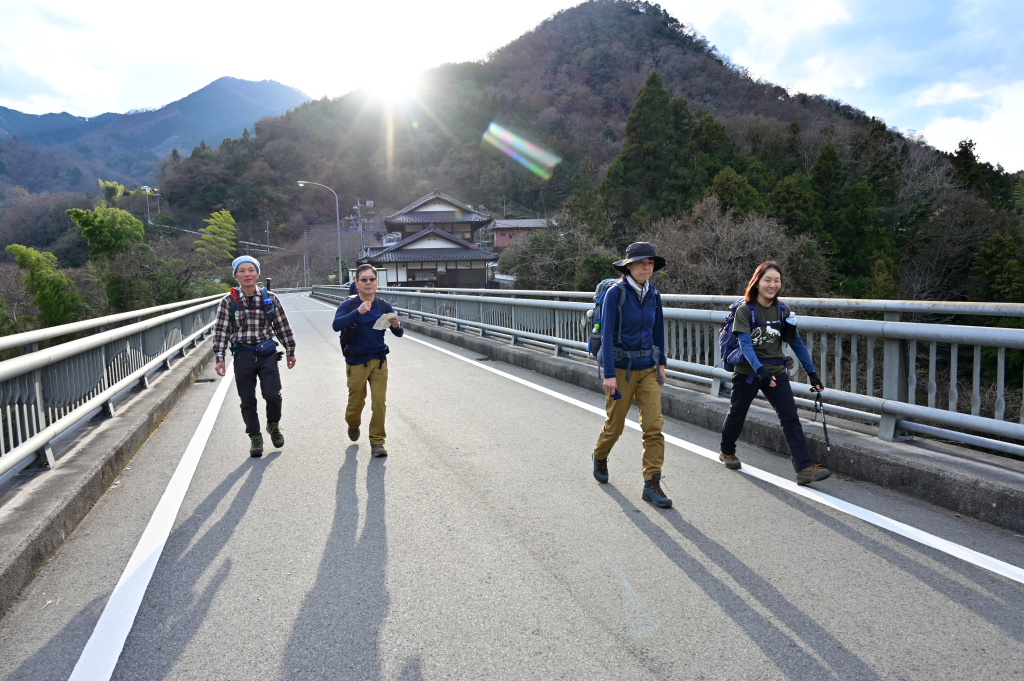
[102,651]
[956,550]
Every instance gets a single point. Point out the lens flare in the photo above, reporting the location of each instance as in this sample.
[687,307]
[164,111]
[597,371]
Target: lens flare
[538,161]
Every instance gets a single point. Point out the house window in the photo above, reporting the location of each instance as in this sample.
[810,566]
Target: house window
[421,275]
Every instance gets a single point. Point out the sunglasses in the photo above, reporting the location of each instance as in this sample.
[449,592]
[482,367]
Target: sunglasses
[367,281]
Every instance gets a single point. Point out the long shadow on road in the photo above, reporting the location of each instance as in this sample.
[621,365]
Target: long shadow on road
[1002,609]
[776,644]
[337,632]
[163,631]
[173,626]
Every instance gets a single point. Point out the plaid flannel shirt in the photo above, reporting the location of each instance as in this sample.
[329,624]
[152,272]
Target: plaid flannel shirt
[250,326]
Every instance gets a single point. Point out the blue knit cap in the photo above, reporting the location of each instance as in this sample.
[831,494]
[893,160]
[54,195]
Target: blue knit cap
[244,258]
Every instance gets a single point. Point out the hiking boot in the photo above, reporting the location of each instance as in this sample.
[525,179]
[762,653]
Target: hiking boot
[256,445]
[814,473]
[653,493]
[378,450]
[353,434]
[276,436]
[600,469]
[730,460]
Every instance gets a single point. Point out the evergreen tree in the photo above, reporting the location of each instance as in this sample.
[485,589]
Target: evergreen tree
[998,270]
[53,293]
[792,202]
[634,185]
[219,241]
[735,193]
[827,179]
[707,152]
[108,230]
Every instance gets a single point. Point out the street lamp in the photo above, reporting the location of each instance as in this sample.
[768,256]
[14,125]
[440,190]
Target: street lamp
[337,211]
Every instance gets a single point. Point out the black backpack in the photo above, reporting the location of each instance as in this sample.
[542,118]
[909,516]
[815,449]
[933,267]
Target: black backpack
[345,335]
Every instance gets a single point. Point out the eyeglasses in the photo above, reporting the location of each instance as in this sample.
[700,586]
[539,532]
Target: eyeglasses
[367,281]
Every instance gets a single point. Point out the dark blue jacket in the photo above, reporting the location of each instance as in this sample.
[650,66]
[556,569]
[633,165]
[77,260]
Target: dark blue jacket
[367,342]
[643,327]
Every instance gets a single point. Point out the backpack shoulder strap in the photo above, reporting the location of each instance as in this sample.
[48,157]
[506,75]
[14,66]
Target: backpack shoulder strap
[622,301]
[782,311]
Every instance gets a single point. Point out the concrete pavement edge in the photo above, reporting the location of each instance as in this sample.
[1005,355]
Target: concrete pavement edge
[971,483]
[34,526]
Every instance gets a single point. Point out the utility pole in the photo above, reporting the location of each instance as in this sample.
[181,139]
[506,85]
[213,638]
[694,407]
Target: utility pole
[268,236]
[305,258]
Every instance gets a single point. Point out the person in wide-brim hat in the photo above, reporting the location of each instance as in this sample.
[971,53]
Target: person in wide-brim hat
[636,252]
[632,363]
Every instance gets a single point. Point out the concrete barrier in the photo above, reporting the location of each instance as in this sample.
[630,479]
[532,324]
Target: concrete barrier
[32,528]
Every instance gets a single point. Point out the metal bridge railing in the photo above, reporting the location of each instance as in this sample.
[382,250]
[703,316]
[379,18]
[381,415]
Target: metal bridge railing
[47,391]
[904,376]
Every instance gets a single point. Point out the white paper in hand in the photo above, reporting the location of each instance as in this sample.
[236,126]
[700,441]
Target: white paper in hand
[384,321]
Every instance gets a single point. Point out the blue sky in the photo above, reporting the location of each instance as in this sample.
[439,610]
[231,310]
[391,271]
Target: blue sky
[946,69]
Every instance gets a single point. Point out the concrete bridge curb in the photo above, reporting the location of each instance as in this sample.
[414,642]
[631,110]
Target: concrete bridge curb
[46,510]
[976,484]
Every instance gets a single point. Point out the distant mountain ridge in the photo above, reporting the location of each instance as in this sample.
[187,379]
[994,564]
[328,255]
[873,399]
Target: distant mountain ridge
[221,109]
[127,146]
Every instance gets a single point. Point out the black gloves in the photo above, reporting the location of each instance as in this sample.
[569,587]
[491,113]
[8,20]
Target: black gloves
[765,375]
[815,381]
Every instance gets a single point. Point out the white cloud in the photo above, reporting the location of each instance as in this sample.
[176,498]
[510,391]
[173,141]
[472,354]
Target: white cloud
[947,93]
[997,133]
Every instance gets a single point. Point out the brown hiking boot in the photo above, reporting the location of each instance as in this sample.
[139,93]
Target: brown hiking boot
[353,434]
[813,473]
[730,461]
[378,450]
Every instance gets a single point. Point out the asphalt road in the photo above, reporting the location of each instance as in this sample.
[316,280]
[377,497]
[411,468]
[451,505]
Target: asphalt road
[483,548]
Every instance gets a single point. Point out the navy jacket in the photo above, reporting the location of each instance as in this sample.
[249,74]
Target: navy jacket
[643,327]
[367,343]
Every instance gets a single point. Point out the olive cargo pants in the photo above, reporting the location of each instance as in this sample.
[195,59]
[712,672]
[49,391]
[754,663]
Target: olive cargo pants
[374,372]
[643,387]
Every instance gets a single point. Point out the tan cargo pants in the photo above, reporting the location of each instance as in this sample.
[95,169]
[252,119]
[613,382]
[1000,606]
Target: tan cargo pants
[374,372]
[642,387]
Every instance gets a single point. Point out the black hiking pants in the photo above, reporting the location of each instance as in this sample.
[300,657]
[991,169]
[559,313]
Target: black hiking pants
[781,398]
[248,368]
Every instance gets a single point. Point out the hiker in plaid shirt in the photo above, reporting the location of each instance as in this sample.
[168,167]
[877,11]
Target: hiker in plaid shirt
[247,319]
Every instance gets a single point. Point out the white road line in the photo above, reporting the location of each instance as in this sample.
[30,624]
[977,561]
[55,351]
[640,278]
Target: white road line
[957,551]
[99,658]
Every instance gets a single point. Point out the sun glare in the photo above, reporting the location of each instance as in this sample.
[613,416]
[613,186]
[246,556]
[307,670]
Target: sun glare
[392,86]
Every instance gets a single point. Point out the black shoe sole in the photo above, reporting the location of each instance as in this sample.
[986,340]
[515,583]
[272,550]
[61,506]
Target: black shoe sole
[278,443]
[350,437]
[255,453]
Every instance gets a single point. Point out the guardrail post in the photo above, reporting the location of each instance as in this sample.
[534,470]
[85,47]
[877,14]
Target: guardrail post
[44,458]
[716,382]
[895,369]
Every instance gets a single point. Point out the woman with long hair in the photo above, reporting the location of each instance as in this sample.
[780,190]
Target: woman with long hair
[633,365]
[761,331]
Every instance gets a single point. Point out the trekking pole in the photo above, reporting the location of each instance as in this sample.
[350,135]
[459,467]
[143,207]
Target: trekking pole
[819,403]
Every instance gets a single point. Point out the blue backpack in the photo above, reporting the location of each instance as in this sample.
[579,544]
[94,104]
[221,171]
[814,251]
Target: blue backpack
[596,315]
[729,344]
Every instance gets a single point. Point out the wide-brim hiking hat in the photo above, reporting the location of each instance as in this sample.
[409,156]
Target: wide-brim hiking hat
[638,251]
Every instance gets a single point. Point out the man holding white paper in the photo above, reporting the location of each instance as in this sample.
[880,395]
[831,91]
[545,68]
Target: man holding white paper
[362,320]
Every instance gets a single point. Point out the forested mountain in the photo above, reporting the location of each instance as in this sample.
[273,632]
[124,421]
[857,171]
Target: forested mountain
[61,152]
[568,85]
[666,122]
[51,128]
